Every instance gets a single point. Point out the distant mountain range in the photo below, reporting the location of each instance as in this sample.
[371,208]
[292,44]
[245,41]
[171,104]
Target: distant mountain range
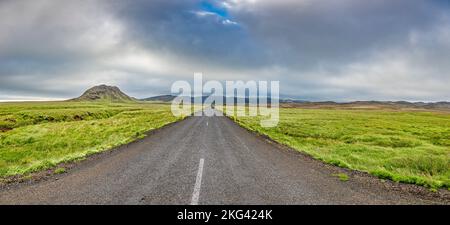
[372,104]
[114,94]
[168,98]
[295,102]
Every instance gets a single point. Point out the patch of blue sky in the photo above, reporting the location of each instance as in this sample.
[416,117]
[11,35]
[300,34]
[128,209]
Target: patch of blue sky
[208,6]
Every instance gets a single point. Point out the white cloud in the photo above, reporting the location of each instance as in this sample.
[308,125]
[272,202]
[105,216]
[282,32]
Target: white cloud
[82,28]
[229,22]
[204,13]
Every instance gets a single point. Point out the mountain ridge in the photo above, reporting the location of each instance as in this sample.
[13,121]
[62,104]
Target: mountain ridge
[418,104]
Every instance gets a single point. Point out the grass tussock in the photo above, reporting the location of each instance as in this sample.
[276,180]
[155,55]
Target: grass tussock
[342,176]
[59,171]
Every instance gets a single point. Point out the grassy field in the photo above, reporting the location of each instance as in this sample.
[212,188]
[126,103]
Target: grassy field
[36,136]
[404,146]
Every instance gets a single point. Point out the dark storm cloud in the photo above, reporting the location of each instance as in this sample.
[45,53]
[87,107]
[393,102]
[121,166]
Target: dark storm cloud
[187,30]
[327,31]
[336,49]
[319,50]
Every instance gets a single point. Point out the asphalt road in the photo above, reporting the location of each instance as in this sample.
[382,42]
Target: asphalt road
[203,160]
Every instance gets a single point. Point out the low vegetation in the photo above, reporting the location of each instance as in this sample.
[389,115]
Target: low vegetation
[404,146]
[60,170]
[36,136]
[341,176]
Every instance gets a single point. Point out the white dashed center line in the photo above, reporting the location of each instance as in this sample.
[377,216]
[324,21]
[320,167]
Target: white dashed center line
[198,183]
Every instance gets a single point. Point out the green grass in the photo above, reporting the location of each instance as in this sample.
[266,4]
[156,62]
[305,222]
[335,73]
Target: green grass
[404,146]
[60,170]
[341,176]
[46,134]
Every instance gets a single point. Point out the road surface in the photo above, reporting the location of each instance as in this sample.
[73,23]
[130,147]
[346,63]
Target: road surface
[203,160]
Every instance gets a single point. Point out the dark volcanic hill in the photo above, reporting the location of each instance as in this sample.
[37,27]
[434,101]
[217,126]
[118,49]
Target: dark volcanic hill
[104,93]
[163,98]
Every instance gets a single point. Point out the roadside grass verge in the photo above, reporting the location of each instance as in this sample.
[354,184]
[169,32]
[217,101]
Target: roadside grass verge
[403,146]
[42,135]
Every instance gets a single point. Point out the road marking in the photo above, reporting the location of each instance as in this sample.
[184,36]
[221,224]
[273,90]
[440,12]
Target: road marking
[198,183]
[206,123]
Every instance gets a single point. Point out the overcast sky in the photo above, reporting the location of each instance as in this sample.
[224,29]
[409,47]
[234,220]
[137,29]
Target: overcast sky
[318,49]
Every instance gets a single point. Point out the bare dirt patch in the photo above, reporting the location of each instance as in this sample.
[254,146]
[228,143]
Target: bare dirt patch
[5,129]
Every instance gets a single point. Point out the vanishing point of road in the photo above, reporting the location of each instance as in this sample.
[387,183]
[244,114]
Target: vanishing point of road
[203,160]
